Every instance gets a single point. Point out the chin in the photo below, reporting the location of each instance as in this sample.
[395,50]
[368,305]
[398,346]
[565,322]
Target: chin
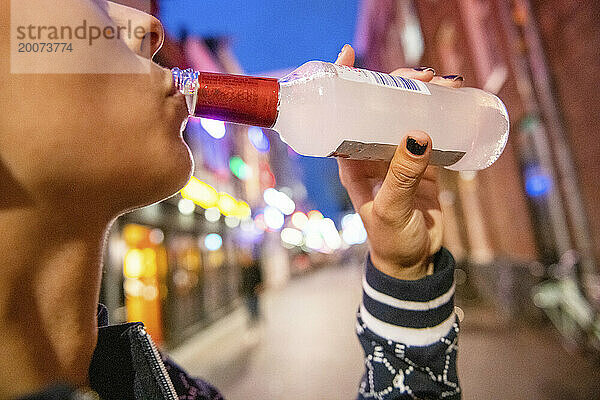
[174,175]
[182,171]
[159,180]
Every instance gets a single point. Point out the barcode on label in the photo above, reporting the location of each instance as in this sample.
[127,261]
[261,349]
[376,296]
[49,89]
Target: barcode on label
[398,82]
[378,78]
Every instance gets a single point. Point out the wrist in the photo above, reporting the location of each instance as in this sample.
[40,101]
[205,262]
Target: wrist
[403,271]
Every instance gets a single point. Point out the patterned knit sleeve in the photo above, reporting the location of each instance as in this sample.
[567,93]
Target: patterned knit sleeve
[409,333]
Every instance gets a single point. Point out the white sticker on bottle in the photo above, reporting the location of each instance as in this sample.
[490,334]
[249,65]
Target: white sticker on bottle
[381,79]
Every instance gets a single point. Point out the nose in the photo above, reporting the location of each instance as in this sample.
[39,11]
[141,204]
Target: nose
[148,33]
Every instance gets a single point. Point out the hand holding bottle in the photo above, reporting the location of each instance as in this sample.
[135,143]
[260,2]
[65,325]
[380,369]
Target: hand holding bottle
[403,218]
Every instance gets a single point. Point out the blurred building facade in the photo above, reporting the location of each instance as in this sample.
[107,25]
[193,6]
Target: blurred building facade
[570,37]
[539,200]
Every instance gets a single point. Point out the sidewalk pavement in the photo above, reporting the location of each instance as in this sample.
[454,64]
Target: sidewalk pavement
[306,348]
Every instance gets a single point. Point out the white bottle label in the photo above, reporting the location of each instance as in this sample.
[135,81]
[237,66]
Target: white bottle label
[381,79]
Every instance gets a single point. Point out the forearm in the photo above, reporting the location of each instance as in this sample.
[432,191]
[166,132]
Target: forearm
[408,331]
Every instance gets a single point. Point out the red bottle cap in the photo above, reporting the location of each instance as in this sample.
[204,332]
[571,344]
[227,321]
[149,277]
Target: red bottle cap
[237,98]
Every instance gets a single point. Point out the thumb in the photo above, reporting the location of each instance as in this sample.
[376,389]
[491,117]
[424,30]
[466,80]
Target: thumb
[396,198]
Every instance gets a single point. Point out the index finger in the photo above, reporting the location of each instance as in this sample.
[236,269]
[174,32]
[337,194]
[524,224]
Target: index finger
[453,81]
[428,75]
[424,74]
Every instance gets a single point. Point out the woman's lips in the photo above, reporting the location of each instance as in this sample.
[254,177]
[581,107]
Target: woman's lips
[176,94]
[173,90]
[171,87]
[180,104]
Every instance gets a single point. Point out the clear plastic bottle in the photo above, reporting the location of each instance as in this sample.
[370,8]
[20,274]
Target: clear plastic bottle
[322,109]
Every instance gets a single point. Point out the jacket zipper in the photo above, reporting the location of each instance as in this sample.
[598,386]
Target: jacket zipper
[156,365]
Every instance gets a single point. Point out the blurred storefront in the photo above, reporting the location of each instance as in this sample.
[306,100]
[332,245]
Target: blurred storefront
[176,273]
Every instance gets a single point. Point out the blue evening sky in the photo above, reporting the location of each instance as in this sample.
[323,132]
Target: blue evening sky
[268,34]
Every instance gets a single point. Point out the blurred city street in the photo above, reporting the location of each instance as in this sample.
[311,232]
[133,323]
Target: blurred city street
[307,349]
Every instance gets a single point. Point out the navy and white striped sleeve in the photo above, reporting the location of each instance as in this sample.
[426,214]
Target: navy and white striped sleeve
[409,333]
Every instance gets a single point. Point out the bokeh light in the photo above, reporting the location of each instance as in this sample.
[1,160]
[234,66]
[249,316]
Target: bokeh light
[271,196]
[213,241]
[243,210]
[330,234]
[537,182]
[258,139]
[353,230]
[299,220]
[140,263]
[239,168]
[259,222]
[134,263]
[212,214]
[186,206]
[279,200]
[156,236]
[231,221]
[227,204]
[315,215]
[292,236]
[200,193]
[214,128]
[274,218]
[314,240]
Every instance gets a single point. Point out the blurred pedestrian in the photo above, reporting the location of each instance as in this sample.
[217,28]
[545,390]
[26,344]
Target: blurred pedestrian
[251,285]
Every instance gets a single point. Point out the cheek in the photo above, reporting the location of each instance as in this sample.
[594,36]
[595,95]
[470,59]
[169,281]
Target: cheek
[118,145]
[121,169]
[139,136]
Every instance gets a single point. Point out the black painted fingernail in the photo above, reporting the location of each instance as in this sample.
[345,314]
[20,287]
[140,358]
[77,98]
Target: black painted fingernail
[415,147]
[424,69]
[454,77]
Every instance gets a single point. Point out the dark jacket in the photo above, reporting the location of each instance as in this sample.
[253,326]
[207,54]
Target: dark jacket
[126,365]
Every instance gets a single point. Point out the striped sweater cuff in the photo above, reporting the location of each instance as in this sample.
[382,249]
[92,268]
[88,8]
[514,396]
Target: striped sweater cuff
[416,313]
